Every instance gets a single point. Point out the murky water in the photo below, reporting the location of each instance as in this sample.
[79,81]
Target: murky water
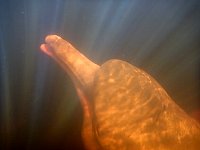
[39,107]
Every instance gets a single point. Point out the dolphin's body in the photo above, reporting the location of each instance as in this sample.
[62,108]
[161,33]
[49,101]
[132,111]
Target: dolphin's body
[124,107]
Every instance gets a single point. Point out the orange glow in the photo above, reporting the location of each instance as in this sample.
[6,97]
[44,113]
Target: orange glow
[124,107]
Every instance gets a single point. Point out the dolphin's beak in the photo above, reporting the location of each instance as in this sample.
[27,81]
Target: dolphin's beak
[47,47]
[79,67]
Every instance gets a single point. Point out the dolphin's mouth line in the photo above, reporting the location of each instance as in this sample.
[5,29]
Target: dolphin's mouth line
[46,49]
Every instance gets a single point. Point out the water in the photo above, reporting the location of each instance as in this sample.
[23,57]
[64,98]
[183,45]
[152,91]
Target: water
[39,107]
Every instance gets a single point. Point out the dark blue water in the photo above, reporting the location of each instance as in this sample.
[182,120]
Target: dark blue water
[38,103]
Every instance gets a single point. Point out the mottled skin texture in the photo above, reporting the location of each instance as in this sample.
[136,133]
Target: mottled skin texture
[132,111]
[124,108]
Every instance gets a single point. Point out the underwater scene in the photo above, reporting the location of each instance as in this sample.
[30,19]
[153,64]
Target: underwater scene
[99,75]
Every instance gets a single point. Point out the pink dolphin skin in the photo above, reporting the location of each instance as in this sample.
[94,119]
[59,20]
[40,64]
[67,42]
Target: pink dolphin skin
[123,107]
